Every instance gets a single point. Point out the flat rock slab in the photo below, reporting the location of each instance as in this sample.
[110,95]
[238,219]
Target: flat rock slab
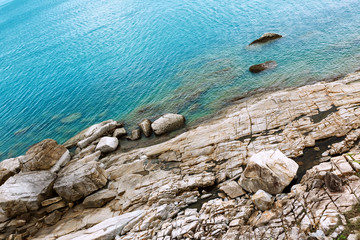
[270,171]
[24,192]
[232,189]
[99,198]
[106,230]
[77,180]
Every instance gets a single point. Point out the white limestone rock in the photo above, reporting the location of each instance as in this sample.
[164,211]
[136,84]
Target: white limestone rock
[105,230]
[107,144]
[24,192]
[262,200]
[168,123]
[270,171]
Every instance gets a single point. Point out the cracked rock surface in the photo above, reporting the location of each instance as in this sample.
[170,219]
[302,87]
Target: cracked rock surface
[189,187]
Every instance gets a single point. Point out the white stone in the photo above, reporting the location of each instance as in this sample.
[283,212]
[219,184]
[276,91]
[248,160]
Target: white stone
[262,200]
[270,171]
[107,144]
[105,230]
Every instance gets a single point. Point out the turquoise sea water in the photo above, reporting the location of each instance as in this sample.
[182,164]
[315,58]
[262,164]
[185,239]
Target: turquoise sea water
[67,64]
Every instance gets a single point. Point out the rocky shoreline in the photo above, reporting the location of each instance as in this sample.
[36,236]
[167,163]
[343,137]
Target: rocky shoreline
[211,182]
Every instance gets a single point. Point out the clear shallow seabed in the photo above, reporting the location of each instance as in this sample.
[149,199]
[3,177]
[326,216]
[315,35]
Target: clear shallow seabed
[68,64]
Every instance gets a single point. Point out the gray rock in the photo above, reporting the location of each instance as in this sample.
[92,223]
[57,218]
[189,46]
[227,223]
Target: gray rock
[24,192]
[135,135]
[263,66]
[107,144]
[78,180]
[53,218]
[266,37]
[43,155]
[99,198]
[270,171]
[262,200]
[145,127]
[333,182]
[119,132]
[168,123]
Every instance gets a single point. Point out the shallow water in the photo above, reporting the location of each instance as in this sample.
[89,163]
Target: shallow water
[67,64]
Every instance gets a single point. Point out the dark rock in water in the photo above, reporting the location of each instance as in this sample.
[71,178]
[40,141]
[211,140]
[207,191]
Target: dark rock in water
[266,37]
[263,66]
[145,127]
[135,135]
[333,182]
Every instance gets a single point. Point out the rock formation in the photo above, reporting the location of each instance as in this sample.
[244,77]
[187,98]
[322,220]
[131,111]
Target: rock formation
[263,66]
[205,183]
[266,37]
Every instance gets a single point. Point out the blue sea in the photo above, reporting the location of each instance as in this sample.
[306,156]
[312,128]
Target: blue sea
[68,64]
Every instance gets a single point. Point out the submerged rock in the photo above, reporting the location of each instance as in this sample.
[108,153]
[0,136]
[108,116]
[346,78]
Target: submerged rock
[24,192]
[168,123]
[78,180]
[71,118]
[270,171]
[266,37]
[43,155]
[107,144]
[263,66]
[145,127]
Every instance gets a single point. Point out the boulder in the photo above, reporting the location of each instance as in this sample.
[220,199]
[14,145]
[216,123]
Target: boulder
[266,37]
[145,127]
[99,198]
[270,171]
[135,135]
[107,144]
[119,132]
[8,168]
[43,155]
[333,182]
[232,189]
[77,180]
[263,66]
[94,132]
[262,200]
[24,192]
[168,123]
